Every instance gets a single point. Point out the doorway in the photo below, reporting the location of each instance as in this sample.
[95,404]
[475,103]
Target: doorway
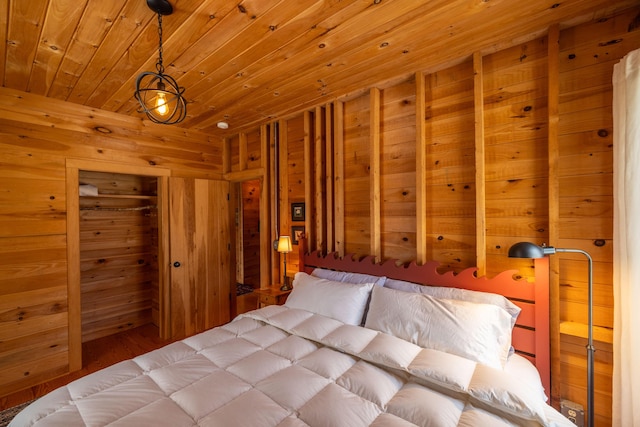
[247,198]
[159,180]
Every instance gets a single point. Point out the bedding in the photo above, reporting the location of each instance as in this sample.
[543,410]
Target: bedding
[480,332]
[346,302]
[286,366]
[457,294]
[348,277]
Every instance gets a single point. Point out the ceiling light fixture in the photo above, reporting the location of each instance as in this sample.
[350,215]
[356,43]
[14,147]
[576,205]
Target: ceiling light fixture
[159,95]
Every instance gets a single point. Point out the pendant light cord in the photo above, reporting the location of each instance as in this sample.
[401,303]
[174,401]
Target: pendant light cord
[159,65]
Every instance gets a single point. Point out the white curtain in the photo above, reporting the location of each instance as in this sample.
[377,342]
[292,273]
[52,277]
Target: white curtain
[626,237]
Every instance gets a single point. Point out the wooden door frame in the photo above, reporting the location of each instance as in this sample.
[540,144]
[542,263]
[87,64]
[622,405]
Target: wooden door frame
[73,168]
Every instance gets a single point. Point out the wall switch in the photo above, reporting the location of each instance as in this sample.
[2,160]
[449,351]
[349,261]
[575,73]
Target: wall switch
[573,411]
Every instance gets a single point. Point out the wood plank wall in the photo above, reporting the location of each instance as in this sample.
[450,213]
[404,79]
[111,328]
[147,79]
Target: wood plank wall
[518,139]
[37,138]
[494,105]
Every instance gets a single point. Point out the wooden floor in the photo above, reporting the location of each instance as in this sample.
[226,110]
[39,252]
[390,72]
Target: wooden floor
[103,352]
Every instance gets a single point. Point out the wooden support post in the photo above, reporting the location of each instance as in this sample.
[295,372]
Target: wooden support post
[481,220]
[553,96]
[309,228]
[266,236]
[338,180]
[328,177]
[242,155]
[319,200]
[421,169]
[374,173]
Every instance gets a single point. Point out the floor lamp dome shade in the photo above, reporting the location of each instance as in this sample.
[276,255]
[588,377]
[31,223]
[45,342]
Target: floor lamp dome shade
[159,95]
[530,250]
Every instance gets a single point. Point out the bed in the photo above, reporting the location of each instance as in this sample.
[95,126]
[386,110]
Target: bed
[356,344]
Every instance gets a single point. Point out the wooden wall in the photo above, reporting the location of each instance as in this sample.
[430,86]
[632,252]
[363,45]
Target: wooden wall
[38,137]
[459,163]
[453,164]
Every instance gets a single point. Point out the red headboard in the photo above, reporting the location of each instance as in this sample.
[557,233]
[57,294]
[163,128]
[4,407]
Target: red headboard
[531,334]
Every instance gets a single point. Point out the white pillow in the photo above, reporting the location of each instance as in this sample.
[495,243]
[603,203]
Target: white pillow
[347,276]
[479,332]
[442,292]
[345,302]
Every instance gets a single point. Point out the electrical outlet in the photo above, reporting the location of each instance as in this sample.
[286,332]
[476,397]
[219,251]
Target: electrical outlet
[573,411]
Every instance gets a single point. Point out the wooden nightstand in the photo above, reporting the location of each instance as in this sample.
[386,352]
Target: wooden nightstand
[271,296]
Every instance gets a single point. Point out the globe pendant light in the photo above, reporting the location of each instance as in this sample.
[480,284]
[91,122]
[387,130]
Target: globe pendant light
[159,95]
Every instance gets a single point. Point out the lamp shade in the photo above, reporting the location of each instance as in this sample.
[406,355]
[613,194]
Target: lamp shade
[284,244]
[526,250]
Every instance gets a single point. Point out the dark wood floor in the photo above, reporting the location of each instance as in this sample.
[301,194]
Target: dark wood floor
[103,352]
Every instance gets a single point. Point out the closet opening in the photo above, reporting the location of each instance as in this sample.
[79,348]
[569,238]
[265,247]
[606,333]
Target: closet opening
[119,246]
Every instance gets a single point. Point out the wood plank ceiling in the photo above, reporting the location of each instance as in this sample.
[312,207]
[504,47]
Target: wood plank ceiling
[250,61]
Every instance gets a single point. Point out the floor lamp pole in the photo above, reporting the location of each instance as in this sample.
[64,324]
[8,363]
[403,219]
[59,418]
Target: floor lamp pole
[285,279]
[590,347]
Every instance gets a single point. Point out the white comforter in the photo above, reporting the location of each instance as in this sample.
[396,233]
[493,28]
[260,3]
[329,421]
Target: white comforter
[279,366]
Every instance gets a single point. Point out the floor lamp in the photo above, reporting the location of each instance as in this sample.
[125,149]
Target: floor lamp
[530,250]
[284,247]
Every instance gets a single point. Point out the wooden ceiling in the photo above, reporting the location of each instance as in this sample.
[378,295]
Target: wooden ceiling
[250,61]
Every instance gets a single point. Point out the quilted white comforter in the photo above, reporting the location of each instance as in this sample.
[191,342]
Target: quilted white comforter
[280,366]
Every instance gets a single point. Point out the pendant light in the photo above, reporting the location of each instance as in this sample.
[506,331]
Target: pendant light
[159,95]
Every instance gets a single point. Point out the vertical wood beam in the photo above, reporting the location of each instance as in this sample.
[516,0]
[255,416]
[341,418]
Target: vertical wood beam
[226,155]
[266,233]
[309,174]
[430,82]
[73,268]
[236,193]
[553,100]
[4,25]
[319,178]
[421,168]
[283,194]
[338,176]
[329,194]
[164,273]
[243,150]
[480,177]
[275,206]
[374,173]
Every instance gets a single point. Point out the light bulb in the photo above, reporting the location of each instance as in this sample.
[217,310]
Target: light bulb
[161,103]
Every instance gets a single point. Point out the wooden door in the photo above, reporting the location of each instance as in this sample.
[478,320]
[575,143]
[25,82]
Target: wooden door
[199,245]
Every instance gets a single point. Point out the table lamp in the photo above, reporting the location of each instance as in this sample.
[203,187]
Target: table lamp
[284,247]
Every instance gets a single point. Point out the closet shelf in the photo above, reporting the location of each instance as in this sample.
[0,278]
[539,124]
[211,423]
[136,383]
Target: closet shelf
[102,208]
[122,196]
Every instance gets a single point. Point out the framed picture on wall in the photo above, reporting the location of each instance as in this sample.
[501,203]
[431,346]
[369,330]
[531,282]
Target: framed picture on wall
[297,211]
[296,232]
